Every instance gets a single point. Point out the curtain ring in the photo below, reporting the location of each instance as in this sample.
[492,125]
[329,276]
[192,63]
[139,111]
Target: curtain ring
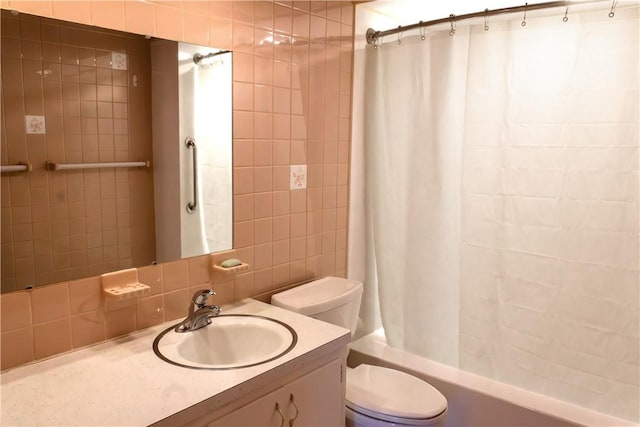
[566,18]
[524,18]
[612,13]
[399,34]
[453,28]
[486,25]
[422,31]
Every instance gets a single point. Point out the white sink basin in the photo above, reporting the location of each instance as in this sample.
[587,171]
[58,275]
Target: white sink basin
[231,341]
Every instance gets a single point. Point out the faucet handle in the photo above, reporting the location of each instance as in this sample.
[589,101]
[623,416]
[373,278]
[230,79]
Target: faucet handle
[200,297]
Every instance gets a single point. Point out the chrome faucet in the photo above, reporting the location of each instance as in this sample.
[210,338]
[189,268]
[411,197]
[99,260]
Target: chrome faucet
[200,313]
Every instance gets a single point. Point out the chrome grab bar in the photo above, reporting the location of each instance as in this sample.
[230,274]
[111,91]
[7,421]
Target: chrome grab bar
[73,166]
[20,167]
[193,206]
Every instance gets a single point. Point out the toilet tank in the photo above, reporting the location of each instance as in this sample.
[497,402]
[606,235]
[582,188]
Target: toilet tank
[331,299]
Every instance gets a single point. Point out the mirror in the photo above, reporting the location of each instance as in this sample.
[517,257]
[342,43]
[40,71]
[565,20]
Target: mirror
[75,97]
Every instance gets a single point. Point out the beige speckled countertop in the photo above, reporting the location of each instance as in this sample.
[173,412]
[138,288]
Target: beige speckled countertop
[122,382]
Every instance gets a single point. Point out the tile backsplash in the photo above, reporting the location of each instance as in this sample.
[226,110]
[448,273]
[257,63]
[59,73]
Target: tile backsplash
[292,98]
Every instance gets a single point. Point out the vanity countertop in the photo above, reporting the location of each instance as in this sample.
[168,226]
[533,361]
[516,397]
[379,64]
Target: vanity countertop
[122,382]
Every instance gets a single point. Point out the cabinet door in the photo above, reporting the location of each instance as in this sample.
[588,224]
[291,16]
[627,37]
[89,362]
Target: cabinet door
[319,397]
[261,412]
[318,400]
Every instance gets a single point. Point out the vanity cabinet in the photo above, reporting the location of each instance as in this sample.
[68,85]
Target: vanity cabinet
[123,382]
[315,399]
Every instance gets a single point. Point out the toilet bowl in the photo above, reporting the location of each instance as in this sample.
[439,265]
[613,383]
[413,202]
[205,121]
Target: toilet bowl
[376,396]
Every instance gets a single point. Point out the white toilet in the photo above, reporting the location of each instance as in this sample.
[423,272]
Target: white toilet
[376,396]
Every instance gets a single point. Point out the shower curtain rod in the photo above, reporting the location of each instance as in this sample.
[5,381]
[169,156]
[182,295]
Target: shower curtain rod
[373,36]
[199,57]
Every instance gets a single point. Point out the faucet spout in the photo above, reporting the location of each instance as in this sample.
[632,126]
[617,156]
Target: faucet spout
[200,313]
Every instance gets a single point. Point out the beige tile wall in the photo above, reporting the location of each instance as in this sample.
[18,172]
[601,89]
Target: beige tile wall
[63,225]
[292,98]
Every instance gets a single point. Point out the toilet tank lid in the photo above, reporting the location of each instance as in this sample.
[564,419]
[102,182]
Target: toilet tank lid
[319,295]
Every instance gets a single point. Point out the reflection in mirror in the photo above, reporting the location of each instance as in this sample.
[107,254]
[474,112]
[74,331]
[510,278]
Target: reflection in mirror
[81,95]
[192,148]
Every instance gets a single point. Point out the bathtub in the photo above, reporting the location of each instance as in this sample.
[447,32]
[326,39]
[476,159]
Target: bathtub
[475,400]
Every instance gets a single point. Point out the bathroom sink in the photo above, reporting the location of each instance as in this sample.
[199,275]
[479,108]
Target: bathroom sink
[231,341]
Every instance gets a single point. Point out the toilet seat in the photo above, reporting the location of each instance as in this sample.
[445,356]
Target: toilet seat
[389,395]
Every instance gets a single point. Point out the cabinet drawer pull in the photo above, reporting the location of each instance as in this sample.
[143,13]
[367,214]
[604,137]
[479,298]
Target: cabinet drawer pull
[293,420]
[281,414]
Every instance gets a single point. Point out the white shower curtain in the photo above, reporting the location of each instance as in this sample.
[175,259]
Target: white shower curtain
[205,115]
[414,136]
[502,202]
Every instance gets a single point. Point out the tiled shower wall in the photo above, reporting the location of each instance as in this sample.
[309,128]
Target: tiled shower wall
[61,225]
[292,98]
